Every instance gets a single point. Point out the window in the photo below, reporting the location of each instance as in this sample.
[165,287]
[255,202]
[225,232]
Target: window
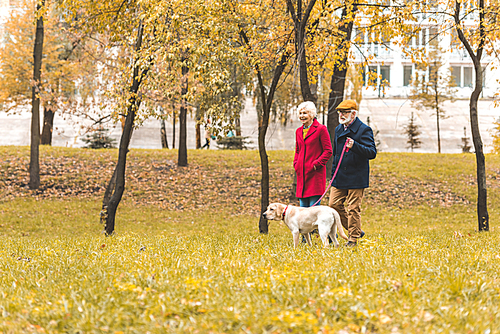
[433,36]
[407,73]
[373,40]
[354,34]
[457,74]
[421,37]
[385,73]
[372,75]
[467,76]
[386,39]
[433,73]
[377,74]
[360,37]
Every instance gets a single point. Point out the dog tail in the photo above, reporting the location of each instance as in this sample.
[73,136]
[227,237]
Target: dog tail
[340,229]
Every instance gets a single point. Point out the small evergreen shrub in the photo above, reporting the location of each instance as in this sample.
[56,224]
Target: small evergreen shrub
[233,143]
[99,138]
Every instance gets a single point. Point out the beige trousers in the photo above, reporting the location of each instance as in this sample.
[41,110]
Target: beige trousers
[351,219]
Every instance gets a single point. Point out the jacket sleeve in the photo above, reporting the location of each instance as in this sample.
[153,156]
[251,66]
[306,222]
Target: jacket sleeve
[326,144]
[365,146]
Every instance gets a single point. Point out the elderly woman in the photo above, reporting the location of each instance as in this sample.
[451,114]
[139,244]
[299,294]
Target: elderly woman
[313,148]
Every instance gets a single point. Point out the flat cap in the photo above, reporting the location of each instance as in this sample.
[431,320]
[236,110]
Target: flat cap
[347,105]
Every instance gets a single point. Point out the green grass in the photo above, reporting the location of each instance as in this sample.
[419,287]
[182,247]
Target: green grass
[203,267]
[240,281]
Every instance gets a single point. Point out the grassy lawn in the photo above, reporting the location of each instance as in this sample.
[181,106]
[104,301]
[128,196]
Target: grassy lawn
[187,256]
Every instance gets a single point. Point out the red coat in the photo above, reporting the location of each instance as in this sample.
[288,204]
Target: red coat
[314,150]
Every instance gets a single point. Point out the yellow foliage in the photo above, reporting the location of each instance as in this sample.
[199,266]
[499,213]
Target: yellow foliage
[60,70]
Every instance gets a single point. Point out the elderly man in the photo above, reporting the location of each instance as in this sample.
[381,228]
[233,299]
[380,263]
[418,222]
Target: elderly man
[354,172]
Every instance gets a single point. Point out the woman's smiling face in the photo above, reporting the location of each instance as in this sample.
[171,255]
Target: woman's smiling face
[305,117]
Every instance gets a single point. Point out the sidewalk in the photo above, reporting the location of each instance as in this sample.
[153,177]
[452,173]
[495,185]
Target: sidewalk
[388,116]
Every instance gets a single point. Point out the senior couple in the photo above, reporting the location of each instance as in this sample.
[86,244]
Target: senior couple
[313,149]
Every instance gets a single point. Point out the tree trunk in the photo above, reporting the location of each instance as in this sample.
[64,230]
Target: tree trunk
[264,164]
[48,125]
[198,128]
[436,101]
[173,126]
[198,136]
[236,93]
[163,129]
[163,135]
[482,199]
[107,196]
[264,160]
[438,131]
[237,124]
[337,84]
[34,169]
[182,154]
[300,22]
[119,173]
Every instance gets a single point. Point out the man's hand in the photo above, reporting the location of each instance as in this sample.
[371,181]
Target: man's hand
[350,142]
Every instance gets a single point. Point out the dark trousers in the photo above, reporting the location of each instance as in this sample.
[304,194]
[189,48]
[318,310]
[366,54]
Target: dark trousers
[207,144]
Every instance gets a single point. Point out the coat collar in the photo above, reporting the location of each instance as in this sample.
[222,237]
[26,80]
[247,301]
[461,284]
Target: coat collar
[312,128]
[353,128]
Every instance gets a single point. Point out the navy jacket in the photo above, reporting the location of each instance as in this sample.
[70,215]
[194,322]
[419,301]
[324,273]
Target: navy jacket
[354,171]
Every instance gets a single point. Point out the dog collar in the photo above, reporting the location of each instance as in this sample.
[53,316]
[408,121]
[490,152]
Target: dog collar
[284,212]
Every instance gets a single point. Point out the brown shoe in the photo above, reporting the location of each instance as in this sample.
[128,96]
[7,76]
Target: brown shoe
[351,244]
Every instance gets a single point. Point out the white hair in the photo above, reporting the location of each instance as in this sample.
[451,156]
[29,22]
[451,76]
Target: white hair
[308,106]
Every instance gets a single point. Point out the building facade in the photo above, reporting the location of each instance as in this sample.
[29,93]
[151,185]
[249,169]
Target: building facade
[393,70]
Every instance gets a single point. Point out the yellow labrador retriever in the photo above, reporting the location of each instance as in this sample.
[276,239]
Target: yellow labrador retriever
[305,220]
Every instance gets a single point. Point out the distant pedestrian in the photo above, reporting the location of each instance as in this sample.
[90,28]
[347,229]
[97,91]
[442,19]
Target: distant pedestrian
[208,137]
[354,172]
[312,151]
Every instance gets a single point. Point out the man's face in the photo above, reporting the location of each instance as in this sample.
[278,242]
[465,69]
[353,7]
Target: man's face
[346,116]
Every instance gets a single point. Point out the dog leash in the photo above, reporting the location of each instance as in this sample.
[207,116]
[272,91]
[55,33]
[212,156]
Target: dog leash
[344,150]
